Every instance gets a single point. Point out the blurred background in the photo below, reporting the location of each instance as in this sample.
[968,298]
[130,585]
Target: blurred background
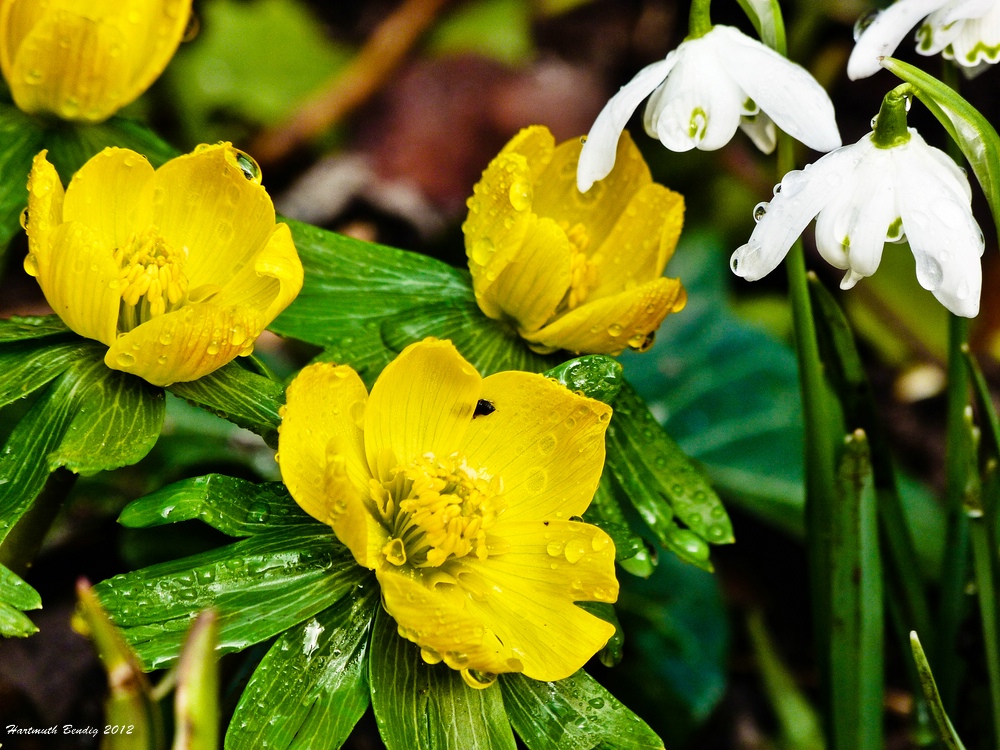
[375,119]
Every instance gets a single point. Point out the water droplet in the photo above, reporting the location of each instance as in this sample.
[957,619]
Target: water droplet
[596,702]
[482,251]
[357,412]
[575,550]
[125,359]
[599,542]
[258,512]
[162,359]
[547,444]
[776,189]
[929,272]
[520,195]
[213,348]
[33,77]
[24,219]
[614,330]
[166,337]
[237,334]
[555,548]
[864,22]
[248,166]
[760,211]
[874,122]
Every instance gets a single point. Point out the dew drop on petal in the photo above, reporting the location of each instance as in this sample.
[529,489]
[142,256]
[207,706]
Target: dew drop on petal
[23,219]
[555,549]
[614,330]
[776,189]
[575,550]
[520,195]
[125,359]
[760,211]
[248,166]
[864,22]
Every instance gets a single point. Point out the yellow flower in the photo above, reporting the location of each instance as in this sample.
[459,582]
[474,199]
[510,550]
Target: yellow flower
[86,59]
[459,491]
[177,271]
[570,270]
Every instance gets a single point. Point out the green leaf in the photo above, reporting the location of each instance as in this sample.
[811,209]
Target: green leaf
[245,399]
[351,287]
[17,328]
[26,366]
[72,144]
[117,420]
[595,376]
[947,732]
[856,617]
[765,15]
[16,592]
[418,705]
[612,653]
[260,586]
[16,595]
[662,484]
[312,686]
[489,345]
[572,714]
[967,127]
[233,506]
[20,139]
[14,624]
[605,512]
[252,64]
[196,702]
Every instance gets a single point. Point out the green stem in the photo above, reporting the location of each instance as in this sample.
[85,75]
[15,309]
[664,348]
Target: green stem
[955,566]
[700,21]
[19,549]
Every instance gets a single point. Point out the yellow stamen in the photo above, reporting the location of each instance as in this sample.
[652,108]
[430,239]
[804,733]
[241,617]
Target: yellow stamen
[436,510]
[151,280]
[583,269]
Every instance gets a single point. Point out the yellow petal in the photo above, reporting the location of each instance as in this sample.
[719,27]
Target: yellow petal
[500,210]
[513,612]
[441,620]
[422,402]
[160,30]
[79,279]
[45,207]
[104,194]
[322,458]
[641,242]
[186,344]
[203,201]
[533,284]
[271,282]
[608,325]
[532,587]
[544,441]
[17,18]
[599,208]
[84,62]
[536,144]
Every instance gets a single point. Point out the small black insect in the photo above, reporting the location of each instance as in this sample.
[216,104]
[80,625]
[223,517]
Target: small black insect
[483,408]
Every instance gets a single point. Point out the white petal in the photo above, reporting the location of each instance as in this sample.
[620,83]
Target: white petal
[937,32]
[803,195]
[873,209]
[760,128]
[885,33]
[978,41]
[958,10]
[786,92]
[597,158]
[943,234]
[700,105]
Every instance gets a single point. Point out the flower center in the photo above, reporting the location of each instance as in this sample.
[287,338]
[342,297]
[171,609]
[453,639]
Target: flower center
[151,279]
[436,510]
[583,269]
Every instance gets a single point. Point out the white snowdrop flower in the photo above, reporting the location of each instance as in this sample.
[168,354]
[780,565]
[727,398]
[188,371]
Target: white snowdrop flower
[703,91]
[887,187]
[966,31]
